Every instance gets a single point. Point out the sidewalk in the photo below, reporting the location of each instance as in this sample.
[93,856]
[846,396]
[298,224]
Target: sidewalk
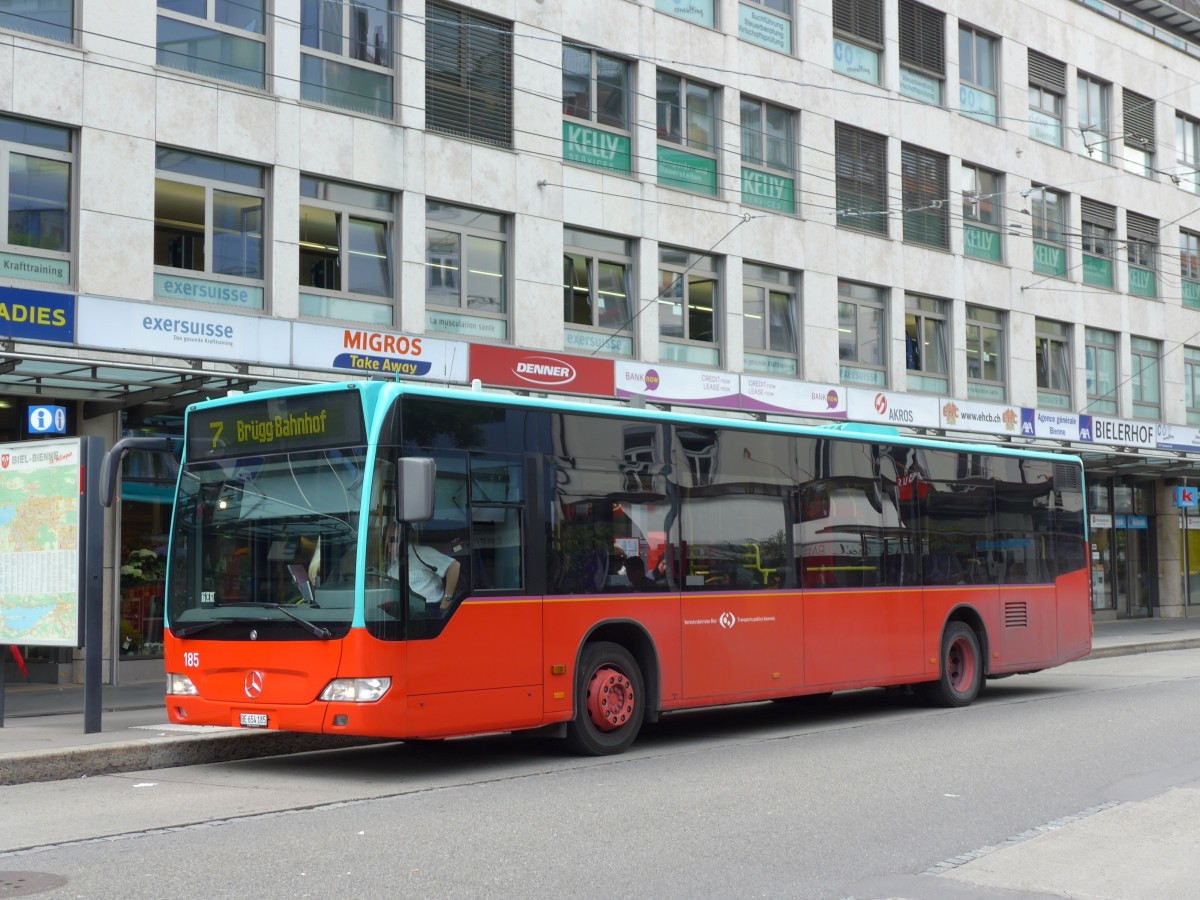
[43,740]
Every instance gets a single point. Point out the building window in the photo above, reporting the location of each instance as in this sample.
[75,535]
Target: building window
[1098,224]
[1142,254]
[466,271]
[37,216]
[926,337]
[702,13]
[1093,118]
[1048,212]
[925,192]
[861,162]
[1189,267]
[1047,94]
[231,44]
[1100,357]
[347,56]
[858,38]
[770,320]
[1143,375]
[208,220]
[345,252]
[767,23]
[1191,384]
[54,19]
[983,207]
[862,344]
[1053,360]
[689,290]
[977,74]
[596,130]
[768,156]
[597,274]
[687,118]
[922,52]
[1187,153]
[985,354]
[1138,137]
[468,74]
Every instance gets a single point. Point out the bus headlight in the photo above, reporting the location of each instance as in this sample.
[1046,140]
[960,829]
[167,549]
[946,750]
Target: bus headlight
[180,684]
[356,690]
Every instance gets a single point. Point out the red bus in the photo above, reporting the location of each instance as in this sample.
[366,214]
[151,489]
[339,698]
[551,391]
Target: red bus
[411,562]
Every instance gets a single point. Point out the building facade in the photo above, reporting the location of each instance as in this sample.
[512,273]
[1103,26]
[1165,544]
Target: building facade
[943,215]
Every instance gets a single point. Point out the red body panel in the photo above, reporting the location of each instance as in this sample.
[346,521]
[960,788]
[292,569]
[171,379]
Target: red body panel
[510,664]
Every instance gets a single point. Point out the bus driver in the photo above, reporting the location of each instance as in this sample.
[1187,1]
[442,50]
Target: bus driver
[432,575]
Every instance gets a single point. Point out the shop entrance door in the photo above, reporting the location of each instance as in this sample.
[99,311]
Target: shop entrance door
[1131,558]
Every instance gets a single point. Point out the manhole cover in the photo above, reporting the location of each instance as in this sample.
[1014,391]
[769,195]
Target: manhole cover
[23,884]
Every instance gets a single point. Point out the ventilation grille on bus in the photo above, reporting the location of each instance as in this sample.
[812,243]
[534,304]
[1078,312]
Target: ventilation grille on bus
[1066,478]
[1016,615]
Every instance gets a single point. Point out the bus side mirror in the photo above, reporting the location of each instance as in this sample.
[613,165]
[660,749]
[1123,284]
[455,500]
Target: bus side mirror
[414,489]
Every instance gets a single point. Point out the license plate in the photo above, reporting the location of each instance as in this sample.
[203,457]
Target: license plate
[253,720]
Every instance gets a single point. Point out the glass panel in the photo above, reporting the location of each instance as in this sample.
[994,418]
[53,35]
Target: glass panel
[751,133]
[779,138]
[246,14]
[442,268]
[782,323]
[237,235]
[485,279]
[346,87]
[19,131]
[45,18]
[670,304]
[701,311]
[870,335]
[754,309]
[577,82]
[370,266]
[38,192]
[370,31]
[577,295]
[613,295]
[208,167]
[179,225]
[215,54]
[847,332]
[669,116]
[701,117]
[325,307]
[320,243]
[612,89]
[321,25]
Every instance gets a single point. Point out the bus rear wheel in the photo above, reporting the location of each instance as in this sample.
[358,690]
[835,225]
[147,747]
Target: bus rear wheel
[962,668]
[610,701]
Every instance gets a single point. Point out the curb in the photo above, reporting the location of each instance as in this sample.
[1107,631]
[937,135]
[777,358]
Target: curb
[164,753]
[1148,647]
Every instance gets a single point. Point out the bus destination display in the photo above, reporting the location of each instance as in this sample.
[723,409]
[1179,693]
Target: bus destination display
[279,425]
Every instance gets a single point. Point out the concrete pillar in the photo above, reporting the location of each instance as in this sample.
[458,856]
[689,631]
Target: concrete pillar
[1169,559]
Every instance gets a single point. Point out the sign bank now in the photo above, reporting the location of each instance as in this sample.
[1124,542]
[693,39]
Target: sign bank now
[597,144]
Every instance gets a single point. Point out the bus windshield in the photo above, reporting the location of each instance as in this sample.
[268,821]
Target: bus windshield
[254,534]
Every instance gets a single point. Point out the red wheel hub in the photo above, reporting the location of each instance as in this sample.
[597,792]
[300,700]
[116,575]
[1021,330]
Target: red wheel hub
[960,665]
[610,699]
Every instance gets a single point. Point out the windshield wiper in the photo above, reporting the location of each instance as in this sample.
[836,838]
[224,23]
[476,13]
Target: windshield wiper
[318,630]
[202,626]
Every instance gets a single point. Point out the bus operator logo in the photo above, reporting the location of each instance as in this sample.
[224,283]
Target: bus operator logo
[728,620]
[254,684]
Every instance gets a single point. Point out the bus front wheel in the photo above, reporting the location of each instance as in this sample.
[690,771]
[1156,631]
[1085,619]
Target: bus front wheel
[962,668]
[610,701]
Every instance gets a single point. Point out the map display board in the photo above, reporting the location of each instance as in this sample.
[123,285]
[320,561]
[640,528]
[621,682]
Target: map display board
[40,543]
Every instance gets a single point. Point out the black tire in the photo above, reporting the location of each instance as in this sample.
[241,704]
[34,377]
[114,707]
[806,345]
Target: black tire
[961,677]
[610,701]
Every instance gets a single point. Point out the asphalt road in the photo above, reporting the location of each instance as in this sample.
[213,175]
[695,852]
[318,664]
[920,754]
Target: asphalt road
[871,797]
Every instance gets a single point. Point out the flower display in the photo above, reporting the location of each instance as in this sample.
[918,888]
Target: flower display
[143,567]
